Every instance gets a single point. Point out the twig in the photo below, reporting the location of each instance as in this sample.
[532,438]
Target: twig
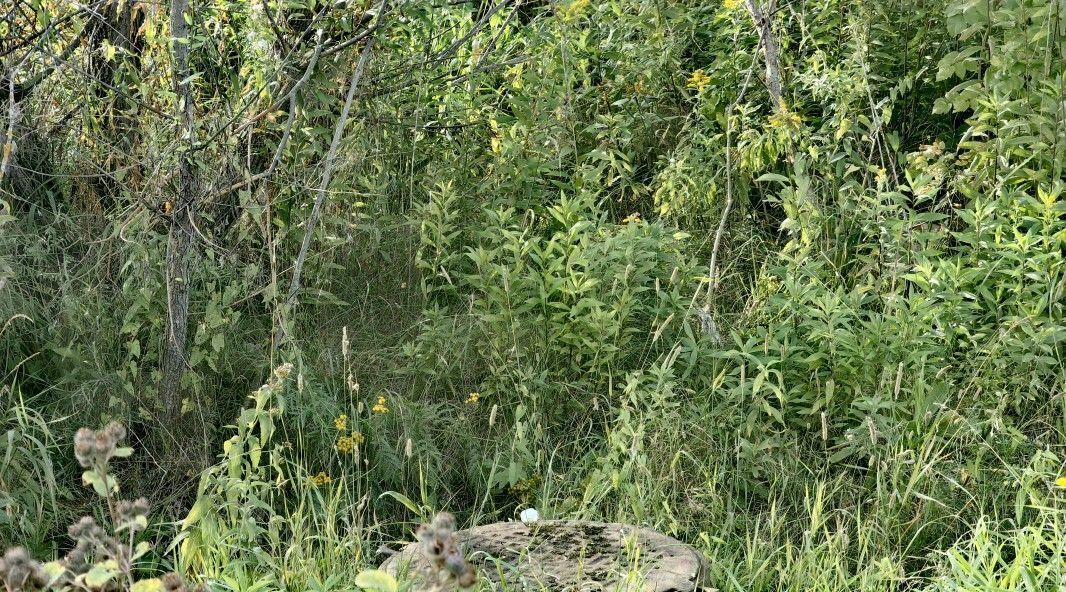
[706,320]
[281,144]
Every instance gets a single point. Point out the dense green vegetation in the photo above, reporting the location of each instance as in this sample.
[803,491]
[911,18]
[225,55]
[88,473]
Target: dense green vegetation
[784,280]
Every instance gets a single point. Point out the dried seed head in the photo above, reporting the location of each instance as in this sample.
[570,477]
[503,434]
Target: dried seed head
[441,549]
[85,529]
[282,372]
[134,513]
[84,446]
[172,582]
[467,579]
[455,563]
[117,431]
[76,559]
[18,570]
[444,521]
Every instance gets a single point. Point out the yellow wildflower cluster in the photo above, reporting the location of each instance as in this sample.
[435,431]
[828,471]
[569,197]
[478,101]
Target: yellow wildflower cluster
[348,444]
[320,479]
[732,4]
[380,406]
[473,398]
[632,218]
[341,422]
[698,80]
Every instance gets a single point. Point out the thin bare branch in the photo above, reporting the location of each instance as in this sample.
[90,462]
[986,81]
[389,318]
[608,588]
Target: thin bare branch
[327,172]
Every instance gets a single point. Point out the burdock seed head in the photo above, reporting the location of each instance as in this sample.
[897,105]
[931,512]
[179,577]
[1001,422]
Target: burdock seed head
[84,446]
[20,571]
[97,447]
[444,522]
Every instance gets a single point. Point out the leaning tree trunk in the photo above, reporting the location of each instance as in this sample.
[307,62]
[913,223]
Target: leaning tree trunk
[769,47]
[185,445]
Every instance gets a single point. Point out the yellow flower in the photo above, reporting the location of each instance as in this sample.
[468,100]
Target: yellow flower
[1061,481]
[698,80]
[634,217]
[473,398]
[732,4]
[380,406]
[348,444]
[341,422]
[320,479]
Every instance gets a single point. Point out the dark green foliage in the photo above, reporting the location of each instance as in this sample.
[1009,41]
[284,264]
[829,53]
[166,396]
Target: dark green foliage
[507,295]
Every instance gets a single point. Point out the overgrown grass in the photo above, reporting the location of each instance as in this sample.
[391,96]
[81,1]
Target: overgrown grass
[509,301]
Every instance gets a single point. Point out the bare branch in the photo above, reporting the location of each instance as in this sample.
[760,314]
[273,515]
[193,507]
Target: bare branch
[327,172]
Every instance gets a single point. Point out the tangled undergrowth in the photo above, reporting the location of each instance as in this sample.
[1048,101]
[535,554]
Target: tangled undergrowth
[785,281]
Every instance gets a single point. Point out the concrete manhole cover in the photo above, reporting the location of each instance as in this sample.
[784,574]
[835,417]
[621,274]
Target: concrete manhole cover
[563,555]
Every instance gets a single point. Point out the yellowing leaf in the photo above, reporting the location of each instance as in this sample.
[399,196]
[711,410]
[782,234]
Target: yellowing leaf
[109,50]
[375,579]
[195,513]
[100,574]
[53,570]
[150,585]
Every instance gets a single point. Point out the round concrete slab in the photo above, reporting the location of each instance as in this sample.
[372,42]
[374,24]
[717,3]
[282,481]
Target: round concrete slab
[563,555]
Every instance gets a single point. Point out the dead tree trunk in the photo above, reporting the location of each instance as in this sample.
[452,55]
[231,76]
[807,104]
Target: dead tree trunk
[769,48]
[179,253]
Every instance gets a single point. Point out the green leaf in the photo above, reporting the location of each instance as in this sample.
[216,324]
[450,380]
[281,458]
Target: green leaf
[773,177]
[141,549]
[403,499]
[97,482]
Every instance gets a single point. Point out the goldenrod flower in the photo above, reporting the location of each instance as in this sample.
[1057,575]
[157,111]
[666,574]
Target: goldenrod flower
[320,479]
[473,398]
[1061,481]
[698,80]
[341,422]
[380,406]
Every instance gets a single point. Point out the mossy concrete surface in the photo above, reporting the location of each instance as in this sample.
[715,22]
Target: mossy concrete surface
[560,555]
